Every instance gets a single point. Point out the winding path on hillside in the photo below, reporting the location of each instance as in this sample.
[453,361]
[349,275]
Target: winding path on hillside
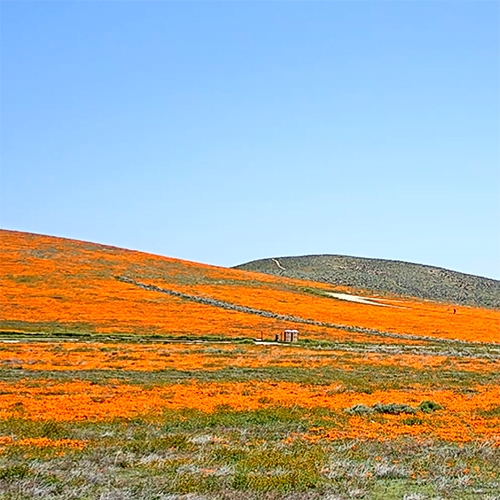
[269,314]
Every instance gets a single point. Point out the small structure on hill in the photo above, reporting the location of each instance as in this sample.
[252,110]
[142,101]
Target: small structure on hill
[289,336]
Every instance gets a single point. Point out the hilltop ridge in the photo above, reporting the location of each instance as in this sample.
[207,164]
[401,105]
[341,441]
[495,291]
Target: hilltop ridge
[386,277]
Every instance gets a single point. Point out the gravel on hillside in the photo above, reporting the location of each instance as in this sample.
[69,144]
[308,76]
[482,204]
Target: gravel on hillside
[385,276]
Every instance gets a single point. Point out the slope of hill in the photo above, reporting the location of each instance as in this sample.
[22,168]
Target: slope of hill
[129,375]
[385,276]
[57,285]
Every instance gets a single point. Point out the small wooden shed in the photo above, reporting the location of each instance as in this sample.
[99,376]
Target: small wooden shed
[289,336]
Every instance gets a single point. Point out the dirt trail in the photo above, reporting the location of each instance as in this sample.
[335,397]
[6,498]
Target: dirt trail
[360,300]
[268,314]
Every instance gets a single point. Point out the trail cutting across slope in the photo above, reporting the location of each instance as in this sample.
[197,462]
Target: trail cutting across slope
[356,298]
[269,314]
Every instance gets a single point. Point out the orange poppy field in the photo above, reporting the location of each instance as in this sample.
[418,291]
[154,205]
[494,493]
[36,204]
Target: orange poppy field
[130,375]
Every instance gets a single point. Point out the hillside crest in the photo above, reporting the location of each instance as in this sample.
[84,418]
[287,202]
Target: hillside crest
[385,277]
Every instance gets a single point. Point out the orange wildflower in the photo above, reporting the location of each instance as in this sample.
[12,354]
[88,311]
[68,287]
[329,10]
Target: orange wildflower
[458,421]
[54,284]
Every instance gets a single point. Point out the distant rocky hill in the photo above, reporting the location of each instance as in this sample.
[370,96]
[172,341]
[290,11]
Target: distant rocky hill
[386,276]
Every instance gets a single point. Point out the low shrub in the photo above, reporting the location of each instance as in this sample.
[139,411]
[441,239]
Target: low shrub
[393,408]
[429,406]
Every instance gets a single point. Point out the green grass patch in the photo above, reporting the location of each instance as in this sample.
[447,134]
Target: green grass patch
[238,455]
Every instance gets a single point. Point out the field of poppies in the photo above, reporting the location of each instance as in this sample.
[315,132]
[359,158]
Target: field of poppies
[125,375]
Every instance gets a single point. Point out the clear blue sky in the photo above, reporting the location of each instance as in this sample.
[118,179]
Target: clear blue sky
[223,132]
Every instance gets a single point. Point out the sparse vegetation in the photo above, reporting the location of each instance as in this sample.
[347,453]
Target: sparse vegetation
[385,277]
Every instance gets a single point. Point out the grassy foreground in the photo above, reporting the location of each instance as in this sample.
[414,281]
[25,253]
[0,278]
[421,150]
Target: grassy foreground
[107,420]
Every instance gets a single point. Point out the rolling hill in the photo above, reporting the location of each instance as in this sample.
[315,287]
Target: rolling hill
[385,276]
[60,286]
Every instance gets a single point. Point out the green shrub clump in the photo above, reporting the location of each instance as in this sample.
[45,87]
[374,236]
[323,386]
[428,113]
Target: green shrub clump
[429,406]
[394,408]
